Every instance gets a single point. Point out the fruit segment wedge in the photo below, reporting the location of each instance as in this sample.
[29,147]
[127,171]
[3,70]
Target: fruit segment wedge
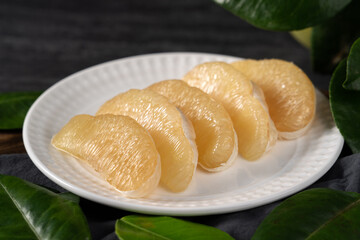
[253,125]
[215,135]
[289,93]
[117,147]
[172,132]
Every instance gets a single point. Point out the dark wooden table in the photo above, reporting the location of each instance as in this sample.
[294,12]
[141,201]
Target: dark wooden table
[11,142]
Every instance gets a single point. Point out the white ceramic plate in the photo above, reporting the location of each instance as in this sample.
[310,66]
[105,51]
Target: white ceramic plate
[289,167]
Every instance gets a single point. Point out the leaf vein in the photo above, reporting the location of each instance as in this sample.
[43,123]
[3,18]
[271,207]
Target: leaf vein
[145,230]
[20,210]
[333,217]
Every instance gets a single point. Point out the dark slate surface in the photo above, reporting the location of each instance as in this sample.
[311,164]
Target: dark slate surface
[44,41]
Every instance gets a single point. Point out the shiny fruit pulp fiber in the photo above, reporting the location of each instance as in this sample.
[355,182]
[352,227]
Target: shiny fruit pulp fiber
[117,147]
[215,136]
[250,117]
[289,93]
[168,129]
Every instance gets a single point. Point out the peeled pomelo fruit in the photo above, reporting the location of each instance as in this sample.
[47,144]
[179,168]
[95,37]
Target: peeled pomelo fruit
[242,100]
[172,132]
[289,93]
[215,135]
[117,147]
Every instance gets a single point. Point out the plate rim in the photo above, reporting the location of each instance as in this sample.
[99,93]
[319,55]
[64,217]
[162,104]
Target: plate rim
[150,209]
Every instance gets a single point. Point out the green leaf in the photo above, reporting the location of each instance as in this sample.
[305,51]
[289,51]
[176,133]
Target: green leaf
[284,15]
[331,41]
[160,228]
[345,108]
[352,81]
[314,214]
[13,108]
[70,196]
[303,36]
[29,211]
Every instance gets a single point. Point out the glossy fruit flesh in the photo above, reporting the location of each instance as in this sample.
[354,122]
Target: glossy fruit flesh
[250,117]
[289,93]
[117,147]
[172,133]
[215,135]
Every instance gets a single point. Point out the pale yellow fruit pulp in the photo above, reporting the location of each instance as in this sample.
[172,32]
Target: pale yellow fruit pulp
[289,93]
[215,135]
[252,123]
[172,133]
[117,147]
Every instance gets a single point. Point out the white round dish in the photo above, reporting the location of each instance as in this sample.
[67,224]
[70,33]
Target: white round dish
[290,167]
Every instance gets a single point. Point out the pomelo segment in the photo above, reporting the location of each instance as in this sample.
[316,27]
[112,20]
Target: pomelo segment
[215,135]
[172,132]
[117,147]
[253,125]
[289,93]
